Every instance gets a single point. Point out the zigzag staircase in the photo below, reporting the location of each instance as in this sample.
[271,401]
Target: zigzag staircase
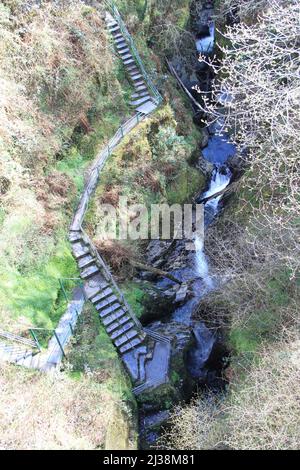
[145,354]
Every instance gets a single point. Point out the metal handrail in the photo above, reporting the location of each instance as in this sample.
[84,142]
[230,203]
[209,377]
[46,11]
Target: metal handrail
[128,37]
[17,339]
[98,165]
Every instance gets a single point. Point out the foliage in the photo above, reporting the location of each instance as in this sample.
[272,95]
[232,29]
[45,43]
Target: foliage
[261,411]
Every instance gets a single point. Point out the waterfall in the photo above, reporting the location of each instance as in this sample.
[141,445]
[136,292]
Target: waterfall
[220,180]
[205,45]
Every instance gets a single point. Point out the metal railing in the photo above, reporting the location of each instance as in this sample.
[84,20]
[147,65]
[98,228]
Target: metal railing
[127,36]
[109,277]
[123,130]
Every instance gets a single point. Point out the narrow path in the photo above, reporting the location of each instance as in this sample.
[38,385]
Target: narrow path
[23,352]
[145,355]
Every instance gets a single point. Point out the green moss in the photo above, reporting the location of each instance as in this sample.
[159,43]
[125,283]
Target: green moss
[135,297]
[189,182]
[37,297]
[265,321]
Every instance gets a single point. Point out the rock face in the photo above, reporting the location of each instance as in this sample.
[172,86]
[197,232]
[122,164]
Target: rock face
[159,303]
[201,14]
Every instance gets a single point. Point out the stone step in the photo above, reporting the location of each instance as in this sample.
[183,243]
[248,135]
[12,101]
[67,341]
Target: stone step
[80,251]
[121,44]
[104,312]
[111,23]
[129,61]
[133,71]
[89,272]
[124,52]
[86,261]
[101,294]
[125,338]
[115,316]
[132,67]
[118,38]
[75,236]
[114,29]
[146,108]
[141,88]
[136,77]
[126,56]
[140,100]
[118,323]
[139,94]
[107,301]
[139,83]
[123,329]
[132,344]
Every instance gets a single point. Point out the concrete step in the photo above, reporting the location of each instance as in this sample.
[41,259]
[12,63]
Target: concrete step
[140,101]
[86,261]
[131,345]
[123,329]
[86,273]
[104,312]
[101,294]
[115,316]
[107,301]
[118,323]
[125,338]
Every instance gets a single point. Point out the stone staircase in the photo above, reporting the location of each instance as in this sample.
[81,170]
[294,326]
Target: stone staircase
[142,101]
[145,354]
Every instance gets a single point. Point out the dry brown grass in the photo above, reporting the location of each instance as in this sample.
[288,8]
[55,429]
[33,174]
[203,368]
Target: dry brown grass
[53,62]
[261,412]
[38,412]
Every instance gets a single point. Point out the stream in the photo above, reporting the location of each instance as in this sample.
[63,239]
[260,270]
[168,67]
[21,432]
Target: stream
[204,360]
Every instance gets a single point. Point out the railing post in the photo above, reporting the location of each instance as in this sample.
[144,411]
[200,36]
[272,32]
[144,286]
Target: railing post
[59,343]
[63,289]
[35,339]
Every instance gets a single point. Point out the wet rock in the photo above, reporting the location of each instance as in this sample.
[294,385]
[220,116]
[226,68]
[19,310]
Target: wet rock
[205,137]
[157,250]
[205,166]
[158,303]
[182,293]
